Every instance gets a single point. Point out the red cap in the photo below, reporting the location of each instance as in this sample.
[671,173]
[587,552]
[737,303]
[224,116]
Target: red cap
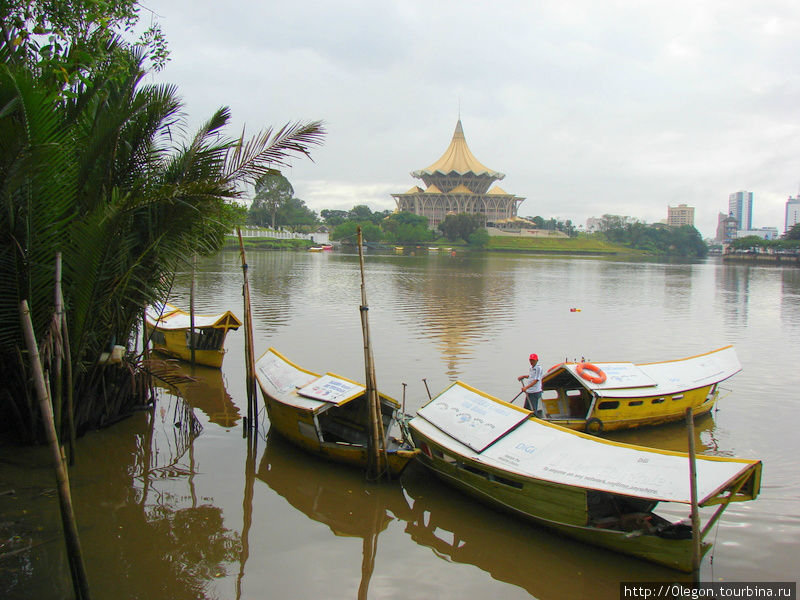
[534,357]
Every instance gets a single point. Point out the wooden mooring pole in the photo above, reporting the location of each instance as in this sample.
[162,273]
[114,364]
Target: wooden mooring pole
[192,343]
[80,583]
[377,455]
[249,354]
[696,554]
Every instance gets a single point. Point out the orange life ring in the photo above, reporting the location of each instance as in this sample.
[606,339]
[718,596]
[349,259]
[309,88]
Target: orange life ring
[599,376]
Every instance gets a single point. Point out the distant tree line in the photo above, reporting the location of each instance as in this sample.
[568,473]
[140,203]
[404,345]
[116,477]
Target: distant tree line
[274,205]
[788,241]
[552,224]
[657,238]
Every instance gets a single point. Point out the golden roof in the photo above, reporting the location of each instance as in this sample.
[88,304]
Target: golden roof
[432,189]
[458,158]
[414,190]
[497,190]
[461,189]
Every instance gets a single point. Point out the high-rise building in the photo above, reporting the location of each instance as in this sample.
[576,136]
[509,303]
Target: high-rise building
[726,228]
[740,207]
[680,215]
[792,213]
[458,183]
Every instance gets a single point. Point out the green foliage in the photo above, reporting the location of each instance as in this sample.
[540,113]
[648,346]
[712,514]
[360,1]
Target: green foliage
[406,228]
[682,241]
[273,190]
[333,218]
[61,39]
[347,232]
[793,233]
[296,216]
[753,242]
[460,226]
[99,176]
[479,238]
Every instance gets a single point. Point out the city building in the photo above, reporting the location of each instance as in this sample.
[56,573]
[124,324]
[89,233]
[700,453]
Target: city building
[459,183]
[792,213]
[680,215]
[726,228]
[765,233]
[740,206]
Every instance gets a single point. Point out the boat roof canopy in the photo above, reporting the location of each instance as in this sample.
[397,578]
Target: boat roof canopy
[167,316]
[293,385]
[462,418]
[626,379]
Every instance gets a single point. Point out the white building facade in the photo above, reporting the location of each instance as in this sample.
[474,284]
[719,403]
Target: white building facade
[792,213]
[740,206]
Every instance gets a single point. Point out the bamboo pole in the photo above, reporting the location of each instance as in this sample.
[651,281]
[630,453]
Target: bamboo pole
[80,583]
[378,454]
[57,348]
[67,359]
[247,507]
[693,487]
[191,308]
[252,395]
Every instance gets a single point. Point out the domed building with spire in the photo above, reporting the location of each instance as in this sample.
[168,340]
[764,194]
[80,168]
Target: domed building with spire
[459,183]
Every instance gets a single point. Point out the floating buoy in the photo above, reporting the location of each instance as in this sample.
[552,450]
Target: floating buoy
[574,310]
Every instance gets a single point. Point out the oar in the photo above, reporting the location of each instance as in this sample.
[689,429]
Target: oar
[425,381]
[515,397]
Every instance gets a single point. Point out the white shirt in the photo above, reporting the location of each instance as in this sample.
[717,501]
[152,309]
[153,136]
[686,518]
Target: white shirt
[535,373]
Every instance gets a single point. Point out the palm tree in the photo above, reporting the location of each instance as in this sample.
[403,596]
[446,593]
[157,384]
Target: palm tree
[92,171]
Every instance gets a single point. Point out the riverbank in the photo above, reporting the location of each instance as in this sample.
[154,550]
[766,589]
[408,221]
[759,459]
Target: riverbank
[582,245]
[763,258]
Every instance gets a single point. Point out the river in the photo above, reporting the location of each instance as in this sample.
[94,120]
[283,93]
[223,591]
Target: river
[179,507]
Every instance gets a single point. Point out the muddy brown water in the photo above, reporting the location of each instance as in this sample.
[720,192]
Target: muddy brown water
[177,506]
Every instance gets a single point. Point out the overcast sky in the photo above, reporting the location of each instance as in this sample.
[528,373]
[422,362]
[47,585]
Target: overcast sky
[587,107]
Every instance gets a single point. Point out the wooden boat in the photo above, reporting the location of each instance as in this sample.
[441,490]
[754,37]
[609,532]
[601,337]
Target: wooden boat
[315,249]
[168,328]
[327,415]
[591,489]
[595,397]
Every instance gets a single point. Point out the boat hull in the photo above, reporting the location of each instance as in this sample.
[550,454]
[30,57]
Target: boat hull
[557,507]
[298,426]
[631,413]
[173,343]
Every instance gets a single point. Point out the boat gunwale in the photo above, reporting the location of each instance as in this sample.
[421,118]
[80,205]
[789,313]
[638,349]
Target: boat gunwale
[750,468]
[162,322]
[287,401]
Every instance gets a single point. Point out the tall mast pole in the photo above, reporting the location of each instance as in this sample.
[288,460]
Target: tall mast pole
[377,453]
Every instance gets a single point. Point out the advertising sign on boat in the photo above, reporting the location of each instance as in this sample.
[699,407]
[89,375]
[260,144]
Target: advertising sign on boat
[473,419]
[330,388]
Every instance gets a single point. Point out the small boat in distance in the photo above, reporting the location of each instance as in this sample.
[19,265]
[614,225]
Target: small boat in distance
[595,397]
[168,329]
[327,415]
[594,490]
[315,249]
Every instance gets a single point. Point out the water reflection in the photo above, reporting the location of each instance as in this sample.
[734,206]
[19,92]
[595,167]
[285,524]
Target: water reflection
[455,528]
[203,388]
[733,285]
[456,301]
[334,496]
[673,436]
[790,298]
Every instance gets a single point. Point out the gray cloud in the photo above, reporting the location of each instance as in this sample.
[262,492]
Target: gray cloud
[589,108]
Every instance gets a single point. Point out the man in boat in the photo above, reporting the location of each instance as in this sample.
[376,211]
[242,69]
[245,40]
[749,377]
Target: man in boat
[532,386]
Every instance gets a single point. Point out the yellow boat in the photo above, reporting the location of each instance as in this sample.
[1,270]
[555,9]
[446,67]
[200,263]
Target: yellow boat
[591,489]
[168,329]
[327,415]
[595,397]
